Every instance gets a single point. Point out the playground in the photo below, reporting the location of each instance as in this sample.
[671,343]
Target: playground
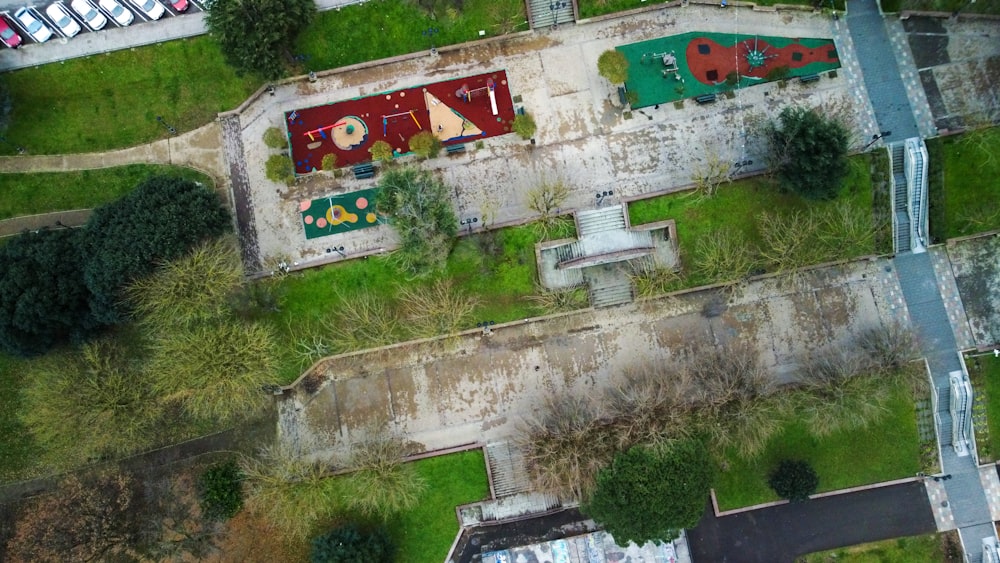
[455,111]
[336,214]
[697,63]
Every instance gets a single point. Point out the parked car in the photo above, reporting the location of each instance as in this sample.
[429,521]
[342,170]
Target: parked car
[153,9]
[117,12]
[35,28]
[9,37]
[89,14]
[59,16]
[179,5]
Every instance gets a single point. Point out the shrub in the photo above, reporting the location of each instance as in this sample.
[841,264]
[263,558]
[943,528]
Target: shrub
[524,126]
[425,144]
[349,544]
[221,490]
[275,139]
[778,73]
[613,65]
[278,168]
[329,162]
[794,480]
[381,150]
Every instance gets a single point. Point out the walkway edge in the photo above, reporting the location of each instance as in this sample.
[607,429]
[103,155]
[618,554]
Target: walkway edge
[718,514]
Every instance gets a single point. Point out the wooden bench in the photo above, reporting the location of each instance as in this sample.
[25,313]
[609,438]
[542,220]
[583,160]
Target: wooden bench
[364,171]
[706,99]
[455,149]
[809,78]
[621,96]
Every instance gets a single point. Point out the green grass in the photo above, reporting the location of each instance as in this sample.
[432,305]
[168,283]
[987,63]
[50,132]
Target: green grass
[424,534]
[980,7]
[385,28]
[984,372]
[498,267]
[738,206]
[112,100]
[29,194]
[914,549]
[890,450]
[962,183]
[591,8]
[20,452]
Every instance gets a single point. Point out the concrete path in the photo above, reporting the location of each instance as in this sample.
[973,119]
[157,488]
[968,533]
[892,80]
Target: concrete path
[781,533]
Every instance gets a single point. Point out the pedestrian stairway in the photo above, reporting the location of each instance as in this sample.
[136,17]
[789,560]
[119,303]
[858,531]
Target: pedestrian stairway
[549,13]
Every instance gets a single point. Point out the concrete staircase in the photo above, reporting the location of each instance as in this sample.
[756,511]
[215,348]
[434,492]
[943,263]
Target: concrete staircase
[547,13]
[900,214]
[611,295]
[507,469]
[595,221]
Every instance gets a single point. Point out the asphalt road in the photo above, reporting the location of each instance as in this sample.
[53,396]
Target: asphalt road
[780,534]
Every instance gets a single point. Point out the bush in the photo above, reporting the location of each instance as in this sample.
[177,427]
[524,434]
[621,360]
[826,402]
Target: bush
[275,139]
[329,162]
[221,490]
[349,544]
[524,126]
[425,144]
[778,73]
[381,150]
[810,152]
[613,65]
[278,168]
[794,480]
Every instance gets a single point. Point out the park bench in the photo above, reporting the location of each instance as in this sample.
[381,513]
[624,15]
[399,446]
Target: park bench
[705,99]
[455,149]
[621,96]
[809,78]
[364,171]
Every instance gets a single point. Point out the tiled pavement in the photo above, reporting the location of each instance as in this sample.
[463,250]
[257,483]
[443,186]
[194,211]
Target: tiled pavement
[881,73]
[939,504]
[991,484]
[855,81]
[911,78]
[952,300]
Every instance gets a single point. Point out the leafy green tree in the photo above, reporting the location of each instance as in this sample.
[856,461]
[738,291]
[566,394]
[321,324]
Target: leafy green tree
[381,150]
[425,144]
[524,126]
[163,218]
[420,208]
[809,151]
[613,65]
[221,490]
[43,297]
[794,480]
[278,168]
[349,544]
[275,138]
[650,494]
[256,35]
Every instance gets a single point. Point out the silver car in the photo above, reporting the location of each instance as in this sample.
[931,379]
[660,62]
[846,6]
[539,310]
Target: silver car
[35,28]
[59,16]
[117,12]
[88,13]
[153,9]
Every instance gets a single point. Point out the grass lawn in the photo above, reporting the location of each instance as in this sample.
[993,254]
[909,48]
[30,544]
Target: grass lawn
[20,452]
[889,450]
[424,534]
[981,7]
[963,172]
[930,548]
[984,372]
[112,100]
[29,194]
[591,8]
[385,28]
[497,267]
[739,204]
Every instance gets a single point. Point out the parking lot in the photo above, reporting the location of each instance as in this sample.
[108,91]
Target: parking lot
[117,13]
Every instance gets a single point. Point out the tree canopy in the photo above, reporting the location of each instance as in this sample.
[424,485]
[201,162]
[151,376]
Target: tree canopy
[43,298]
[162,219]
[420,208]
[349,543]
[809,151]
[613,65]
[256,35]
[649,494]
[794,480]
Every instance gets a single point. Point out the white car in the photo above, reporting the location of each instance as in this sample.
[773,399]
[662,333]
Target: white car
[118,12]
[58,15]
[35,28]
[153,9]
[88,13]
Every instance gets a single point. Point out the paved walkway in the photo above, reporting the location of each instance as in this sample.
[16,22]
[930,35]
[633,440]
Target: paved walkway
[779,534]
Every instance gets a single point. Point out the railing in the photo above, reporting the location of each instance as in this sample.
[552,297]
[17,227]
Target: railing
[916,180]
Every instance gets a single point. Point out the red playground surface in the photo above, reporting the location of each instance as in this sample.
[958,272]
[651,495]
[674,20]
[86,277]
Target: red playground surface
[456,111]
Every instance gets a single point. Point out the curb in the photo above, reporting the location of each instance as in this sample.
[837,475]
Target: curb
[719,514]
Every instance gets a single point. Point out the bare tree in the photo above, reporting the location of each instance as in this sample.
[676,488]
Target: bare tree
[547,200]
[381,484]
[438,309]
[710,172]
[648,405]
[560,301]
[724,255]
[650,280]
[890,346]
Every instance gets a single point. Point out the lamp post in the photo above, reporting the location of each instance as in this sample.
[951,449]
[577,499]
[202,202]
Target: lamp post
[429,33]
[555,7]
[468,223]
[876,137]
[602,195]
[338,249]
[165,124]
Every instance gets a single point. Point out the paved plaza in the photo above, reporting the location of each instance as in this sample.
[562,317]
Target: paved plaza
[582,138]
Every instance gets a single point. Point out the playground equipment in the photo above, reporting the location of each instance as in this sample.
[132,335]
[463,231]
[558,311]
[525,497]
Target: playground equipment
[322,130]
[490,90]
[386,118]
[754,56]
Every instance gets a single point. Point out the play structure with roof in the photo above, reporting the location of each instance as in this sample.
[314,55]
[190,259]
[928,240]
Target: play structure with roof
[694,64]
[339,213]
[455,111]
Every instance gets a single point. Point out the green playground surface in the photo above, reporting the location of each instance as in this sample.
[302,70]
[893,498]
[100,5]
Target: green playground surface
[647,79]
[330,215]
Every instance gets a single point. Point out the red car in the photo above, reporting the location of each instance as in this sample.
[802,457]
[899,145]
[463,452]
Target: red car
[9,37]
[179,5]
